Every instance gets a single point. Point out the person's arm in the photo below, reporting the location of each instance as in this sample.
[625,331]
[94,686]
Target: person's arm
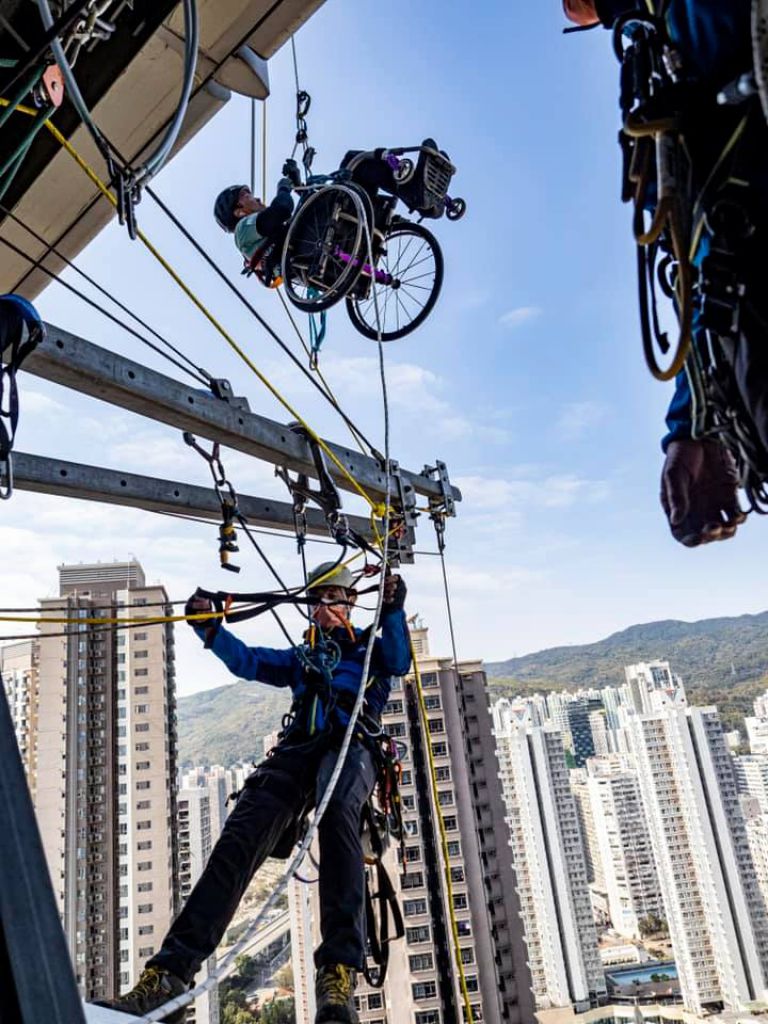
[679,422]
[263,664]
[393,649]
[269,221]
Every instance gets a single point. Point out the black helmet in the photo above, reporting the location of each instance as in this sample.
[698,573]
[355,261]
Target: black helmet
[224,207]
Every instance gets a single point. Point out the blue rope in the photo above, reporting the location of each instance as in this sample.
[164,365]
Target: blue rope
[316,333]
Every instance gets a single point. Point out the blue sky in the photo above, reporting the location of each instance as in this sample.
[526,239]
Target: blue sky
[528,379]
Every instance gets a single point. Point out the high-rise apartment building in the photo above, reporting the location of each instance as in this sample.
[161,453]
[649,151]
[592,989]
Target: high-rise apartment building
[550,866]
[713,904]
[646,682]
[101,762]
[752,777]
[18,665]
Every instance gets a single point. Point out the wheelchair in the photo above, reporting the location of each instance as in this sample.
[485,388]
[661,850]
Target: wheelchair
[346,241]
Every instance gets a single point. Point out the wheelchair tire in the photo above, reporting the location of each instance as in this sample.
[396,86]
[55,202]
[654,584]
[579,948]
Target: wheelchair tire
[315,276]
[424,266]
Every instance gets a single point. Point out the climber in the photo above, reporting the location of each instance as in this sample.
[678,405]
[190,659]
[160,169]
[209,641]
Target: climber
[324,675]
[718,419]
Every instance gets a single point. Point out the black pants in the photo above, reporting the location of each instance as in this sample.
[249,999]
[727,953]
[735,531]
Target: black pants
[274,798]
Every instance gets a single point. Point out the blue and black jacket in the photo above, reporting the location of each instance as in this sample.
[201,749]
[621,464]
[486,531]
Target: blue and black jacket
[391,657]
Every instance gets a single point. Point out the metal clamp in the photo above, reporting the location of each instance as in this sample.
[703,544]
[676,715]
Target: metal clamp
[445,503]
[326,495]
[402,542]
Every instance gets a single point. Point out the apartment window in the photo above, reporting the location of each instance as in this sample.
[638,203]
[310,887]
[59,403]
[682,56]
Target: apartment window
[424,990]
[393,707]
[143,825]
[139,636]
[140,747]
[141,709]
[122,849]
[432,703]
[141,654]
[139,691]
[464,929]
[146,784]
[143,805]
[408,802]
[142,727]
[141,766]
[122,789]
[429,679]
[144,865]
[122,751]
[457,874]
[439,749]
[411,828]
[412,880]
[145,908]
[413,907]
[141,672]
[467,954]
[413,936]
[121,659]
[460,901]
[412,854]
[394,728]
[146,929]
[450,823]
[421,962]
[445,797]
[471,980]
[477,1013]
[454,848]
[144,887]
[145,951]
[427,1017]
[374,1001]
[436,725]
[124,933]
[121,677]
[443,773]
[145,844]
[406,778]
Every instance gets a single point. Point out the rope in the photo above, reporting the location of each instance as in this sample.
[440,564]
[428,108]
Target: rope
[200,374]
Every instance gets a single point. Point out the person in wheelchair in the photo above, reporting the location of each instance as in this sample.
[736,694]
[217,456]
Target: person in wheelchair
[254,224]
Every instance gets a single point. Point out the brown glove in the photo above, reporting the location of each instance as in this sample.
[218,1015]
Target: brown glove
[699,492]
[581,11]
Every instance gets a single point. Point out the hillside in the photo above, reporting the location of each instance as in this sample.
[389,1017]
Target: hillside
[722,661]
[228,724]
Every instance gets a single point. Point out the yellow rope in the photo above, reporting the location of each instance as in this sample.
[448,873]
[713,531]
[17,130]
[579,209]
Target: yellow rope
[443,836]
[378,507]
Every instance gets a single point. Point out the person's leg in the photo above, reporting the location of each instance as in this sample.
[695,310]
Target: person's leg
[342,871]
[272,799]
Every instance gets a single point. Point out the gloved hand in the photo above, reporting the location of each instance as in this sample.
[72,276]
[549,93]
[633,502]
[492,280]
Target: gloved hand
[581,11]
[394,593]
[699,492]
[292,172]
[195,606]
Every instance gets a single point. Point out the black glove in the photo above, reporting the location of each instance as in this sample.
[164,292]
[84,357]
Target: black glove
[395,591]
[196,605]
[699,492]
[292,172]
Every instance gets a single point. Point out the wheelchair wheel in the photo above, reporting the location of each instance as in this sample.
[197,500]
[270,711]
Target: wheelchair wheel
[322,249]
[409,276]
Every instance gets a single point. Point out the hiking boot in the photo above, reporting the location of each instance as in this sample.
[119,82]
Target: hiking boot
[334,990]
[154,988]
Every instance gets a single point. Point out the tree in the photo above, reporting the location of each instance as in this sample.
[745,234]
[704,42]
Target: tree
[279,1011]
[284,977]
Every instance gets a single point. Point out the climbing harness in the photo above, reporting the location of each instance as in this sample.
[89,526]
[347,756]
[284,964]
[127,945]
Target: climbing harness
[21,331]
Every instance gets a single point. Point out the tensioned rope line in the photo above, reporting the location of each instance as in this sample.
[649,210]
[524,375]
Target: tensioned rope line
[52,249]
[205,381]
[88,170]
[228,960]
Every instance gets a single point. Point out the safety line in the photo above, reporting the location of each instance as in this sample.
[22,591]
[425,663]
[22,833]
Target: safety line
[51,248]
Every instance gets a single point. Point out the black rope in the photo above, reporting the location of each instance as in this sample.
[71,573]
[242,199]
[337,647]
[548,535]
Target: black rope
[51,248]
[110,316]
[252,309]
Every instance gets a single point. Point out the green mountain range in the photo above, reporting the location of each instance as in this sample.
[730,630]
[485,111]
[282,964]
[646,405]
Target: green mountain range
[722,661]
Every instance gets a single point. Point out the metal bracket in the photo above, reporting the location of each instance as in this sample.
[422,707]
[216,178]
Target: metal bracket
[402,542]
[326,496]
[222,389]
[446,503]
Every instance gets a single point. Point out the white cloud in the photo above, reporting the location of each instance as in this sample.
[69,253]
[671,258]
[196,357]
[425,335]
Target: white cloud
[517,317]
[577,418]
[489,494]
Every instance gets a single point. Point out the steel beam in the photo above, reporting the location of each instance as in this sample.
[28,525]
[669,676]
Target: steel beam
[79,364]
[74,480]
